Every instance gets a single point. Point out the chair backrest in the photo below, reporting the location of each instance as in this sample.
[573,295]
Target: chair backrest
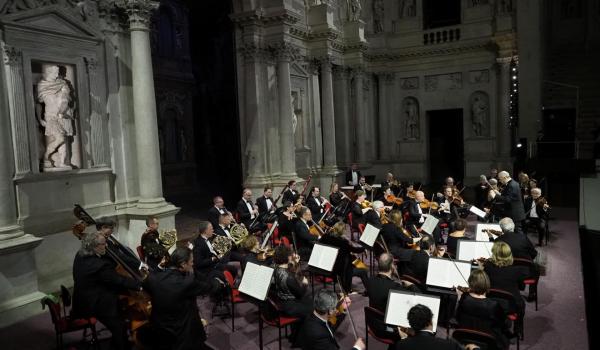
[361,228]
[376,326]
[286,242]
[54,309]
[472,336]
[229,278]
[140,252]
[504,296]
[65,296]
[270,311]
[350,219]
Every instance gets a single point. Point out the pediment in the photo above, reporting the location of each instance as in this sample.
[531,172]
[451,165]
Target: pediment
[53,19]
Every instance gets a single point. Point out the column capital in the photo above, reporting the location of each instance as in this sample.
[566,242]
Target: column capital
[507,60]
[12,55]
[284,51]
[91,63]
[139,12]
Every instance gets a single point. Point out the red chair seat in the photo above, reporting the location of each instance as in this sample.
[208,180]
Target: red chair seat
[382,340]
[444,225]
[530,281]
[70,325]
[323,279]
[513,317]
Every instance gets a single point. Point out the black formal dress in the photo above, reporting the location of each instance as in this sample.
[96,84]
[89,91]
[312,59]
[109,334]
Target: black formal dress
[291,294]
[379,287]
[508,278]
[536,216]
[512,202]
[424,340]
[452,244]
[96,294]
[175,318]
[343,264]
[349,176]
[214,213]
[357,215]
[286,226]
[153,250]
[304,239]
[316,206]
[481,193]
[484,315]
[335,198]
[316,334]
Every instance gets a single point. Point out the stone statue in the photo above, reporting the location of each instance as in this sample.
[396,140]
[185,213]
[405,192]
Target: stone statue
[56,95]
[408,8]
[479,110]
[378,15]
[354,10]
[294,115]
[411,112]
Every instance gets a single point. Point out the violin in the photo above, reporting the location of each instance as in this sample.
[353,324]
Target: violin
[542,202]
[492,231]
[427,204]
[316,229]
[390,198]
[411,194]
[263,255]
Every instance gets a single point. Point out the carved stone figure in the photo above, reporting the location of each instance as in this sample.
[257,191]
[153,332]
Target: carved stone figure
[354,10]
[505,6]
[378,16]
[479,115]
[411,113]
[408,8]
[294,115]
[56,95]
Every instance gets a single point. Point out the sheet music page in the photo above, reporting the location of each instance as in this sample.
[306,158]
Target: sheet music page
[256,280]
[473,209]
[369,235]
[471,250]
[347,188]
[323,257]
[399,303]
[482,236]
[447,274]
[430,224]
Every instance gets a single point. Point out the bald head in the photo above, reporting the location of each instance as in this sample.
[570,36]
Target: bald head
[504,177]
[419,196]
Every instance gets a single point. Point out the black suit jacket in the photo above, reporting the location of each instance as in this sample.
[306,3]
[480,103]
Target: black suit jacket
[539,210]
[214,214]
[418,265]
[97,286]
[303,237]
[519,244]
[243,212]
[174,309]
[379,289]
[372,218]
[220,231]
[261,202]
[349,176]
[427,341]
[485,315]
[313,335]
[203,262]
[317,209]
[289,196]
[513,201]
[413,213]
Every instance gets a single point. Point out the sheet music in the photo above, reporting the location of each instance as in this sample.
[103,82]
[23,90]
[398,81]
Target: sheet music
[447,274]
[430,224]
[399,303]
[482,236]
[473,209]
[256,280]
[323,257]
[347,188]
[369,235]
[471,250]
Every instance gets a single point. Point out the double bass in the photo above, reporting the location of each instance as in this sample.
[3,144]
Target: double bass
[136,305]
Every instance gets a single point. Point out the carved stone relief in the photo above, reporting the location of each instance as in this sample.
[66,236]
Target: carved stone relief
[410,114]
[480,113]
[479,76]
[450,81]
[378,16]
[409,83]
[407,8]
[354,10]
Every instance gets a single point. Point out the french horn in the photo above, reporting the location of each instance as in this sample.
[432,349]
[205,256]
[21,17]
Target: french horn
[238,233]
[222,245]
[168,238]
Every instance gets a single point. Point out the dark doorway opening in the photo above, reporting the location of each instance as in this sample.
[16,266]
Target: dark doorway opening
[558,134]
[440,13]
[446,145]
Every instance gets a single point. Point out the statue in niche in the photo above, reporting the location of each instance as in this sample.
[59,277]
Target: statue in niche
[411,113]
[354,10]
[408,8]
[294,115]
[57,96]
[505,6]
[378,11]
[479,115]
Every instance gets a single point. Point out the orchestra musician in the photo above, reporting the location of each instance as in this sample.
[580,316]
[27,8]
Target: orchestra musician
[304,239]
[379,286]
[287,220]
[265,202]
[481,191]
[446,205]
[493,174]
[106,227]
[364,186]
[537,213]
[460,225]
[154,251]
[373,216]
[420,319]
[315,332]
[316,203]
[416,217]
[290,194]
[248,212]
[511,198]
[335,195]
[392,184]
[175,317]
[519,243]
[343,266]
[222,229]
[206,260]
[492,206]
[216,210]
[419,262]
[97,286]
[397,238]
[250,250]
[353,175]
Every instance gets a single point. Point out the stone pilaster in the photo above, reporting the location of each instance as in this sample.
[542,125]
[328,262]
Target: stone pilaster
[285,53]
[385,80]
[360,124]
[98,121]
[144,103]
[342,115]
[328,115]
[13,67]
[503,133]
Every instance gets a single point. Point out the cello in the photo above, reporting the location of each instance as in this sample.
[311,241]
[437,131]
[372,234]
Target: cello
[136,305]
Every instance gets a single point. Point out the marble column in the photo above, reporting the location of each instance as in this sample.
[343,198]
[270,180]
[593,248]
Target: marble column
[503,133]
[328,115]
[360,125]
[144,103]
[285,52]
[342,115]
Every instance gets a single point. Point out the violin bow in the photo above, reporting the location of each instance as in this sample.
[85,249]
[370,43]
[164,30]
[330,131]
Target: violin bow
[266,239]
[457,269]
[347,308]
